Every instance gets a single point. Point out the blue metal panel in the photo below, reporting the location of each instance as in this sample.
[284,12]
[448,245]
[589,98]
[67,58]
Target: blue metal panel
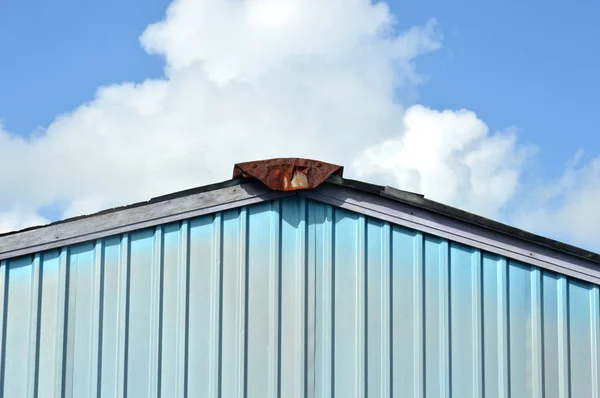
[292,298]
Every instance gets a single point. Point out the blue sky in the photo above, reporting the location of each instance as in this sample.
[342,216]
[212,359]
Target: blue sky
[532,65]
[57,53]
[527,67]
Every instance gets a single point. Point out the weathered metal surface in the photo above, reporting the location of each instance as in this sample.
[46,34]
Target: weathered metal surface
[386,203]
[492,241]
[288,174]
[130,218]
[292,298]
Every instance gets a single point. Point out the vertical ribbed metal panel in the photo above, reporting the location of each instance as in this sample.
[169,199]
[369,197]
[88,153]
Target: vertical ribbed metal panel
[292,298]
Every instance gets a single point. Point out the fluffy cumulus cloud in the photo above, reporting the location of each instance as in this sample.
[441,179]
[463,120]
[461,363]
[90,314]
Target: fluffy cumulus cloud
[451,157]
[255,79]
[566,208]
[15,219]
[243,80]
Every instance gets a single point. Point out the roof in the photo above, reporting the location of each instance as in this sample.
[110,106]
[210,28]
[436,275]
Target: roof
[302,177]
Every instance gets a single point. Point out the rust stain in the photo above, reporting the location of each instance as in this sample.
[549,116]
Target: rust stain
[288,174]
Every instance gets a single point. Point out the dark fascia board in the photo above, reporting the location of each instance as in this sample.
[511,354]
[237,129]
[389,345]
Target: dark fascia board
[386,203]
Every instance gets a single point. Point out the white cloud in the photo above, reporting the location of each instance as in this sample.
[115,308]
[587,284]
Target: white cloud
[568,207]
[14,220]
[244,80]
[271,78]
[246,40]
[451,157]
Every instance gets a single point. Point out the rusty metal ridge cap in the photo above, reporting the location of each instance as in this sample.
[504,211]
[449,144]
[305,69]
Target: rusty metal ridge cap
[288,174]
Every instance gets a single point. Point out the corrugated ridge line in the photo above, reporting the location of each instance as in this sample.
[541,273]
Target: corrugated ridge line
[327,311]
[448,311]
[96,324]
[70,311]
[310,310]
[386,314]
[154,342]
[419,316]
[564,379]
[361,305]
[279,295]
[182,311]
[537,336]
[445,330]
[34,317]
[301,269]
[216,307]
[504,336]
[332,295]
[61,324]
[331,239]
[275,301]
[476,321]
[242,352]
[3,320]
[122,322]
[595,331]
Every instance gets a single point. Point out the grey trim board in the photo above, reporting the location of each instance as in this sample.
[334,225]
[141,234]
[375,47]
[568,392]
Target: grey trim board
[398,207]
[456,230]
[134,217]
[421,202]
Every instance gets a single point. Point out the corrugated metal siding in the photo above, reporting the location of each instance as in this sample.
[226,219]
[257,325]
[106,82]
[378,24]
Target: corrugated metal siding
[292,298]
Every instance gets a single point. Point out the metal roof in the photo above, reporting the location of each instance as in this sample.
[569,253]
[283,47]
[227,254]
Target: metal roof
[384,202]
[422,202]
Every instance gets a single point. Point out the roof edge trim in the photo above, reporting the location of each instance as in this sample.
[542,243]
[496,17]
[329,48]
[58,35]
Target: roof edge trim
[130,218]
[456,230]
[384,203]
[421,202]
